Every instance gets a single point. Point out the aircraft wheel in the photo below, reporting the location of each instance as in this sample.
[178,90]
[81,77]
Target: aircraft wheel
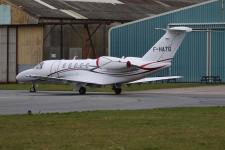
[32,90]
[82,91]
[118,91]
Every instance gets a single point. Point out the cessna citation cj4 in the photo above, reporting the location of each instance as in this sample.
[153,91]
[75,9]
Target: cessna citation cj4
[108,70]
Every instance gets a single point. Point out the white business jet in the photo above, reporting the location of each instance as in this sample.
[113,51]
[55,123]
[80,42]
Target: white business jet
[108,70]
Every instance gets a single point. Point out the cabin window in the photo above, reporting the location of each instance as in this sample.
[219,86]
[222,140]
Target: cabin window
[70,65]
[64,65]
[75,65]
[39,66]
[87,65]
[81,65]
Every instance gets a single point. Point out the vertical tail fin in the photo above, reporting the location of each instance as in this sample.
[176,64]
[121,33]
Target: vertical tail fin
[167,46]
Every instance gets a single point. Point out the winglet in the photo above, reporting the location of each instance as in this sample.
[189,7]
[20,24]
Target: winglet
[151,79]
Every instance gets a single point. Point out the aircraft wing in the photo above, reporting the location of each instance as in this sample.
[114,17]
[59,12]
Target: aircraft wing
[151,79]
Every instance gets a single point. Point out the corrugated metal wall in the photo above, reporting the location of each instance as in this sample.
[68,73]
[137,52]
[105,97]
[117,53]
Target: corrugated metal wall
[12,58]
[190,60]
[18,16]
[218,54]
[10,14]
[7,54]
[136,38]
[217,51]
[30,46]
[3,54]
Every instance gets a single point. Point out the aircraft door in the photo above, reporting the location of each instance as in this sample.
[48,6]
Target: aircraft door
[54,69]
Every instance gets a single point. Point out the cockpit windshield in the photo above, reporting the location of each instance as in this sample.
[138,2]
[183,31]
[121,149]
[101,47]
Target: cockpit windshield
[39,66]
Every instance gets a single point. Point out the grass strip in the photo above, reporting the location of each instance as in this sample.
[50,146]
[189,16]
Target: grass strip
[175,129]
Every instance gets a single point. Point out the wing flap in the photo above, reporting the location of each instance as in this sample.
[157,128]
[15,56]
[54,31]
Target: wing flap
[151,79]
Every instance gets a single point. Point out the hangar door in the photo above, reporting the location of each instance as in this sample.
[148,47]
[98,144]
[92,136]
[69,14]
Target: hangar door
[7,54]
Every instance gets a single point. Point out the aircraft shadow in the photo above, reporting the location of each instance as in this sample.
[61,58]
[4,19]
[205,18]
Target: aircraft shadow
[50,93]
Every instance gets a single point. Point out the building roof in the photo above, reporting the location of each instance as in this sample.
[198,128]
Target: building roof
[120,10]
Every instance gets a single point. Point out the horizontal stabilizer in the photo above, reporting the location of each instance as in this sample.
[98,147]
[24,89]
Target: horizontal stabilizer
[186,29]
[151,79]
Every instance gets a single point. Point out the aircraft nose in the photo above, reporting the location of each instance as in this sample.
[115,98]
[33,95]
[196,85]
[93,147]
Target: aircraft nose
[19,77]
[22,76]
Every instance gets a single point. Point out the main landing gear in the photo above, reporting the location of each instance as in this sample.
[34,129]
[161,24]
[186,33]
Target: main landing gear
[117,89]
[82,90]
[33,88]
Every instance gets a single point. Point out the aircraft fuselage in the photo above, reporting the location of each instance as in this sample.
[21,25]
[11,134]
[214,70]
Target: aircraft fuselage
[93,70]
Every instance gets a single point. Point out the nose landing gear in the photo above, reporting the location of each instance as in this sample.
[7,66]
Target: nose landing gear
[80,88]
[33,88]
[117,91]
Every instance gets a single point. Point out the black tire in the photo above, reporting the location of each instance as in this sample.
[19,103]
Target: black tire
[118,91]
[32,90]
[82,91]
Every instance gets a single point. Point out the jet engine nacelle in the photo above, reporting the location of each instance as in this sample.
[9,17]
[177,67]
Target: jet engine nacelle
[112,63]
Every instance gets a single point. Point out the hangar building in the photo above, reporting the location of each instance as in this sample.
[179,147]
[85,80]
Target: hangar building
[36,30]
[201,54]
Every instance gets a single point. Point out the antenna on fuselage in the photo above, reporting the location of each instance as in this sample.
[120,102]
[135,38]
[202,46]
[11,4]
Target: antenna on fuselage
[75,57]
